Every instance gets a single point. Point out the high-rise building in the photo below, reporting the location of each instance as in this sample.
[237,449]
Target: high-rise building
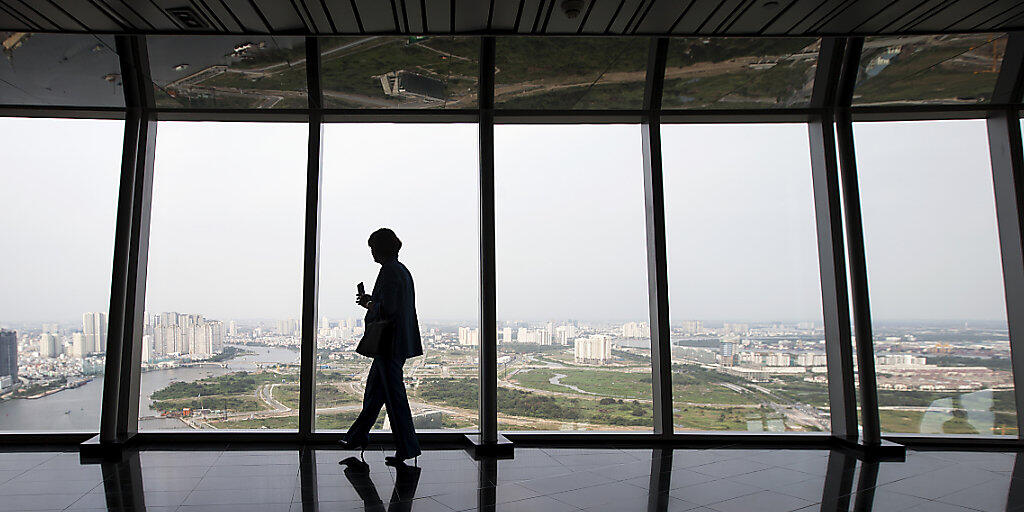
[233,328]
[78,345]
[50,345]
[636,330]
[94,326]
[692,326]
[469,336]
[593,350]
[506,335]
[147,348]
[9,355]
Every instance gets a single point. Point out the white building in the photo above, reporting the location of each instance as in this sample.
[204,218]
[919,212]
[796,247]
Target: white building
[469,336]
[50,345]
[94,326]
[597,349]
[506,335]
[636,330]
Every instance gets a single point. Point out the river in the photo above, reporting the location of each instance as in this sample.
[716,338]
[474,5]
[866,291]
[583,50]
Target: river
[78,409]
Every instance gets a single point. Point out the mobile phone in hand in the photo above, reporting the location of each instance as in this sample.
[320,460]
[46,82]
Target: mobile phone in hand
[360,289]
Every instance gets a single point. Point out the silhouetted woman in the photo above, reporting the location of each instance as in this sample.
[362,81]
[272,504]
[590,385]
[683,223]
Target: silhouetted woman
[393,299]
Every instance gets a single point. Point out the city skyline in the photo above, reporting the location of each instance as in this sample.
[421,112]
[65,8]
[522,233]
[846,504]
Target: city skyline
[245,255]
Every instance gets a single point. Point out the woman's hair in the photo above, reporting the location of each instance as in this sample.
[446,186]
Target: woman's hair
[385,242]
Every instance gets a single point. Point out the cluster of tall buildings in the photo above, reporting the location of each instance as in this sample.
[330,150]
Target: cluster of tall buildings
[94,332]
[169,334]
[595,349]
[469,336]
[8,358]
[289,327]
[636,330]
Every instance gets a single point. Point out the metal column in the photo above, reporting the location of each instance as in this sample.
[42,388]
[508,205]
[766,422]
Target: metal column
[120,408]
[1004,141]
[311,250]
[657,266]
[488,363]
[831,245]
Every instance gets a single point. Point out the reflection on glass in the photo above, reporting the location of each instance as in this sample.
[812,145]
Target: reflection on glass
[59,69]
[937,303]
[421,182]
[228,71]
[929,69]
[748,349]
[570,73]
[223,296]
[400,72]
[739,72]
[573,338]
[57,215]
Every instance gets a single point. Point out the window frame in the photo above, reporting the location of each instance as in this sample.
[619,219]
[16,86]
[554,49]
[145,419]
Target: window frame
[829,119]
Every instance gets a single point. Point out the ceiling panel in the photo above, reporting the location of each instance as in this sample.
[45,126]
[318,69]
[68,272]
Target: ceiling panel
[500,17]
[471,15]
[985,13]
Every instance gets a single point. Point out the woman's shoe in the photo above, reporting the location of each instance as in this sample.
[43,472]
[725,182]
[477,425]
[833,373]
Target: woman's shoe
[345,444]
[397,460]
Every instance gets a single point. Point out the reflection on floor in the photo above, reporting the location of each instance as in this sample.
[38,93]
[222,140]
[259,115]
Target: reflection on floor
[598,479]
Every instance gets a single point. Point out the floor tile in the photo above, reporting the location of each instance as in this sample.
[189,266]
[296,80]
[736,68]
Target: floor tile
[763,501]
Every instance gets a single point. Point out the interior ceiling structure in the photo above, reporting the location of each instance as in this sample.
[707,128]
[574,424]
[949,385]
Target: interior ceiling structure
[556,17]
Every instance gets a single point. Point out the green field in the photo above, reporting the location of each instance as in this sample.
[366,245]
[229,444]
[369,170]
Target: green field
[599,382]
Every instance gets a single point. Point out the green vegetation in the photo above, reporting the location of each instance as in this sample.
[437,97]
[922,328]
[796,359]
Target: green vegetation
[214,402]
[230,353]
[712,418]
[327,395]
[463,393]
[799,390]
[232,383]
[352,70]
[599,382]
[930,70]
[695,385]
[35,389]
[987,362]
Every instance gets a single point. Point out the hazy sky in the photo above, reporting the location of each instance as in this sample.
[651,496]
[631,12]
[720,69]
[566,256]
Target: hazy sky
[227,227]
[929,221]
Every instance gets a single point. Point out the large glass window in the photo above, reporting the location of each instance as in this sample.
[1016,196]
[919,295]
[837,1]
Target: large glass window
[421,182]
[739,72]
[574,342]
[959,68]
[570,73]
[59,69]
[224,289]
[748,349]
[228,71]
[400,72]
[937,304]
[58,201]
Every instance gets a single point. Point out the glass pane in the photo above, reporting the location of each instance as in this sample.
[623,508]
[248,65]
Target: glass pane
[224,289]
[60,69]
[57,216]
[574,344]
[748,347]
[400,72]
[570,73]
[937,302]
[228,71]
[426,192]
[929,69]
[742,72]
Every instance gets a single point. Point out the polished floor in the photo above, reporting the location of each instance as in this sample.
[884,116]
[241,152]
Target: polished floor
[537,479]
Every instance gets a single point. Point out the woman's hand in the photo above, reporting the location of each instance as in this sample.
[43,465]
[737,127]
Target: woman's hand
[363,300]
